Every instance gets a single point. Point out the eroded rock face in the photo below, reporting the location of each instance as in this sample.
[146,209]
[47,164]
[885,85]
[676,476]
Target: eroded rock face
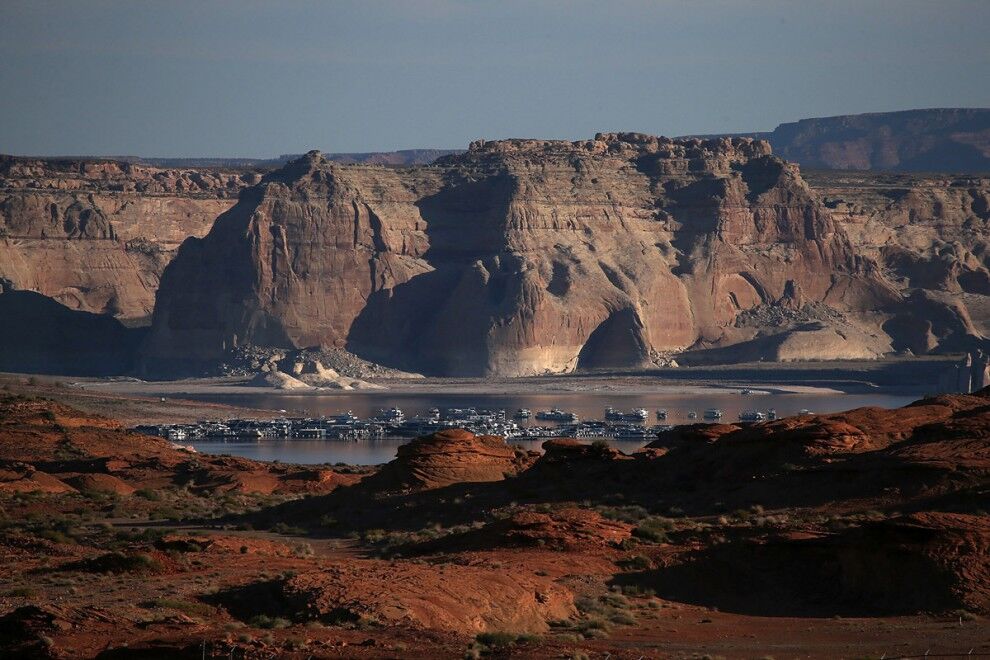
[517,257]
[930,233]
[96,235]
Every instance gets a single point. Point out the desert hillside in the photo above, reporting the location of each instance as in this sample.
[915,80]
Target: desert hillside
[830,535]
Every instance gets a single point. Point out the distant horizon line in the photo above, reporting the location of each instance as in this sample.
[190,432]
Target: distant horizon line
[286,156]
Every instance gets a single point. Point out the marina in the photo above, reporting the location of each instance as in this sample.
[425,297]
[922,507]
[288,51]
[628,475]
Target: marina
[368,428]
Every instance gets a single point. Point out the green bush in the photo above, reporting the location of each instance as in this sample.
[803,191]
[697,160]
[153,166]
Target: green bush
[501,640]
[627,514]
[118,562]
[651,534]
[623,619]
[289,530]
[149,494]
[268,622]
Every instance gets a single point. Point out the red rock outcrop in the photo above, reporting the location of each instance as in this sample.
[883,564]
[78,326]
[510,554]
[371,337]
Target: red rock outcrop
[465,599]
[517,257]
[926,561]
[448,457]
[561,530]
[48,447]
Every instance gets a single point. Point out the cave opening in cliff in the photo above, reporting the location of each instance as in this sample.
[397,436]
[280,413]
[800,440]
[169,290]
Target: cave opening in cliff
[619,341]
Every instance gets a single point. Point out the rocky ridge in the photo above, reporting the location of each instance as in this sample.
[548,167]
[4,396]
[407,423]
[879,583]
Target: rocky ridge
[502,239]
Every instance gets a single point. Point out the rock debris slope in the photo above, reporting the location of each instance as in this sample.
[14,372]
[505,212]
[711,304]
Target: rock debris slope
[521,257]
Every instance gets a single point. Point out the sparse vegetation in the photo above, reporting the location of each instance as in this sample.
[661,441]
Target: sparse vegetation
[149,494]
[21,592]
[269,622]
[636,563]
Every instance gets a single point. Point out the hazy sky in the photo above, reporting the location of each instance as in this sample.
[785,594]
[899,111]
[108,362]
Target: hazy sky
[246,78]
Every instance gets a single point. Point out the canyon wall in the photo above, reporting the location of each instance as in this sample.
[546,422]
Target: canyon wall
[96,235]
[522,257]
[516,257]
[931,234]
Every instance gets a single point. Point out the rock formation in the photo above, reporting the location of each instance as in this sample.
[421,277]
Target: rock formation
[517,257]
[931,235]
[54,448]
[408,595]
[812,532]
[448,457]
[38,335]
[96,235]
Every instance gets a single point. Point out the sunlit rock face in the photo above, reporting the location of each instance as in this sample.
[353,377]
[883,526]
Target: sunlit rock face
[517,257]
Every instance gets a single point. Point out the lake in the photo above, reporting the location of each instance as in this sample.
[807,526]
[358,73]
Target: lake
[587,405]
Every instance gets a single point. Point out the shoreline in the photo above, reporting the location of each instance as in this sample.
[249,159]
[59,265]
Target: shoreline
[543,385]
[134,401]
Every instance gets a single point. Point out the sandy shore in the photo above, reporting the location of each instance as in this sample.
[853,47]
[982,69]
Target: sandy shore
[605,385]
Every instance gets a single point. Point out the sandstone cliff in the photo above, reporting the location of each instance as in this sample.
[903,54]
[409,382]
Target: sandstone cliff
[517,257]
[96,235]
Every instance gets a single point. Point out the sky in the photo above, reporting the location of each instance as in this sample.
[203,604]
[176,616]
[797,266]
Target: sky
[258,79]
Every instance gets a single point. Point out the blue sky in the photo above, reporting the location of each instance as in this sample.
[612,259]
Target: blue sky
[246,78]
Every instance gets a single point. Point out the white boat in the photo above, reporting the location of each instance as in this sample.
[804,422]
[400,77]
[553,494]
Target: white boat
[752,416]
[635,415]
[635,433]
[557,415]
[391,416]
[713,413]
[522,413]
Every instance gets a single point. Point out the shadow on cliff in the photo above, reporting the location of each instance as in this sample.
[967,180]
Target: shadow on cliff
[437,322]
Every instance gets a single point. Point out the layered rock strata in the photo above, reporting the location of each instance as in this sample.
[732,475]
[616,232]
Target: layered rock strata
[518,257]
[931,235]
[449,457]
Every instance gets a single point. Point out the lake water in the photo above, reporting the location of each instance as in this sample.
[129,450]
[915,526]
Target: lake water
[586,405]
